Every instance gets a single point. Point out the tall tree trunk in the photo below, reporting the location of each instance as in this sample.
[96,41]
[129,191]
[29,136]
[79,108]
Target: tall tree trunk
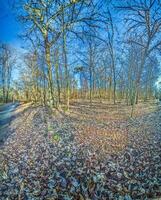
[145,53]
[90,83]
[57,75]
[66,71]
[110,87]
[67,89]
[114,87]
[3,81]
[49,65]
[114,78]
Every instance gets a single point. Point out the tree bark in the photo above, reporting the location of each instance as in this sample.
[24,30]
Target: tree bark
[48,62]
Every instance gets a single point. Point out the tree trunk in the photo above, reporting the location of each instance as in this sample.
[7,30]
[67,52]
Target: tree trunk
[48,62]
[57,75]
[114,79]
[67,91]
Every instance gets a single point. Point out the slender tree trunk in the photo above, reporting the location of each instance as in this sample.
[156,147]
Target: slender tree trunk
[66,70]
[114,88]
[110,88]
[90,83]
[114,79]
[44,85]
[3,82]
[57,75]
[65,63]
[145,53]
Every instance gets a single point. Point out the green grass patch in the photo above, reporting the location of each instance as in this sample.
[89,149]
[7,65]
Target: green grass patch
[56,137]
[50,128]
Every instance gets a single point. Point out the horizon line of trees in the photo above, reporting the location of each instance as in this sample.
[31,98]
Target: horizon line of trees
[89,49]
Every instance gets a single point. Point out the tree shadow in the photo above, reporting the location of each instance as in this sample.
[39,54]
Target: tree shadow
[5,129]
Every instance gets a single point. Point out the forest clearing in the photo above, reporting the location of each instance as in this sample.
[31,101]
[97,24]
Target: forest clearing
[84,154]
[80,100]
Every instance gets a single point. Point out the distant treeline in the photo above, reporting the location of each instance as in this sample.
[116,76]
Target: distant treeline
[88,49]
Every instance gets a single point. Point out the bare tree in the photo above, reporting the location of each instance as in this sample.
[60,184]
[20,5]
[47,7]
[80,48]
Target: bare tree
[7,63]
[144,19]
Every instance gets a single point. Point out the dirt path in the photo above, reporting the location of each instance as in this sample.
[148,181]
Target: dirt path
[6,115]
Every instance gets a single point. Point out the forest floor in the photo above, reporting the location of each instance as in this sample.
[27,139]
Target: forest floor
[92,152]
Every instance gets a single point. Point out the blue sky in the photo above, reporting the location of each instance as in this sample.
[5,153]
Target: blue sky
[9,27]
[9,30]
